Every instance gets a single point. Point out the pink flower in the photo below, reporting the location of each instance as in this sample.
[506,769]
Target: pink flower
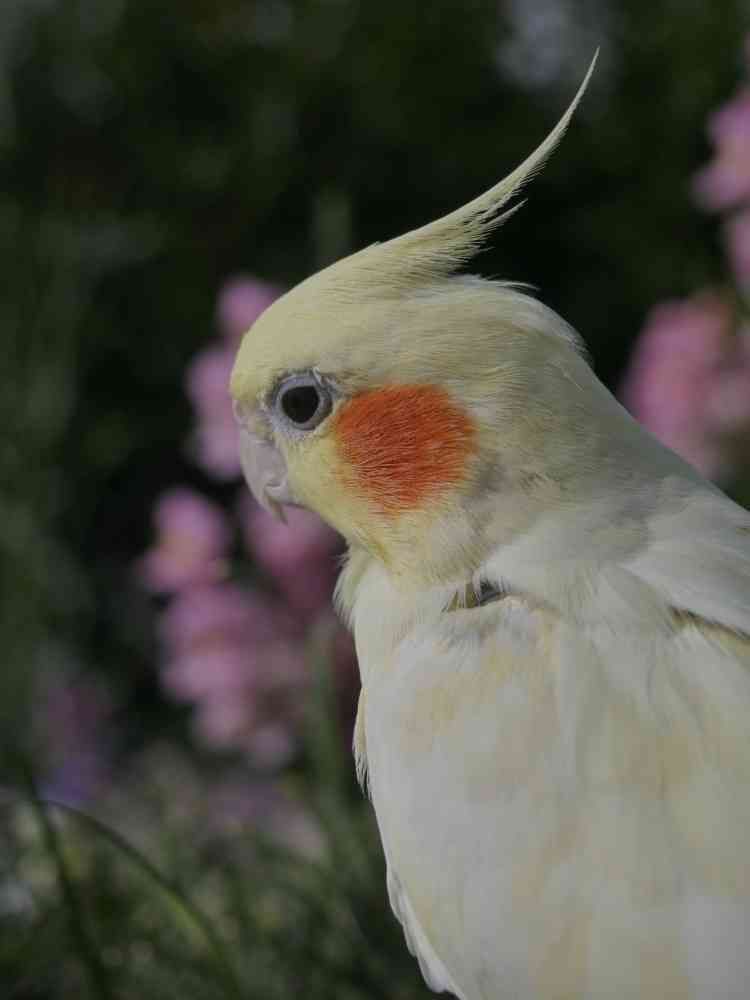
[215,440]
[191,544]
[222,723]
[208,672]
[240,659]
[213,615]
[687,372]
[725,182]
[263,719]
[207,381]
[261,708]
[300,555]
[737,243]
[730,125]
[207,386]
[240,302]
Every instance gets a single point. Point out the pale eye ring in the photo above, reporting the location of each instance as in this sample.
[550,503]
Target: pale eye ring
[302,401]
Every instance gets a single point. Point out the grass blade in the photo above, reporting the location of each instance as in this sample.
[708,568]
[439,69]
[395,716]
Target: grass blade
[82,937]
[173,892]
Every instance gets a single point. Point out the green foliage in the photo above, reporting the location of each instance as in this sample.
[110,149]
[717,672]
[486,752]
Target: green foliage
[86,913]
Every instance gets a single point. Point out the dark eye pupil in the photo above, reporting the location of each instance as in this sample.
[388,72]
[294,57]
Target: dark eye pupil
[300,403]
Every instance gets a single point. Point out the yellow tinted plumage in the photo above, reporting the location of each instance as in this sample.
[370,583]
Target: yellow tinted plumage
[554,638]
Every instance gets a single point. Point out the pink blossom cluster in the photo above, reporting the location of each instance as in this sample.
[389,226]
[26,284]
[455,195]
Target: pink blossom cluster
[689,381]
[240,303]
[237,652]
[724,184]
[689,377]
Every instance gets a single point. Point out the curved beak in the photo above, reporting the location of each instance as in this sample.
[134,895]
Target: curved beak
[265,472]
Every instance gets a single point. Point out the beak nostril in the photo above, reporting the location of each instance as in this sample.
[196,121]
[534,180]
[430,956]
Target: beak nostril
[265,472]
[241,412]
[248,418]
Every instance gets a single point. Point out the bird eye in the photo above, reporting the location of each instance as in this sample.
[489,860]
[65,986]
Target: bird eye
[303,400]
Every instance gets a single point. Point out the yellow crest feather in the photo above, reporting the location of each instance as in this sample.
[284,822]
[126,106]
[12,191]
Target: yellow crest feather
[440,247]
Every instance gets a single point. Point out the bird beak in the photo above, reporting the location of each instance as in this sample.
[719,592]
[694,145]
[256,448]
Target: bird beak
[265,472]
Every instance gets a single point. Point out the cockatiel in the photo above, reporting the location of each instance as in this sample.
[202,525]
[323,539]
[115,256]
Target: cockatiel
[552,619]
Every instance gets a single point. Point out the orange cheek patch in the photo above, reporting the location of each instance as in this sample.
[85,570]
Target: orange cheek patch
[403,445]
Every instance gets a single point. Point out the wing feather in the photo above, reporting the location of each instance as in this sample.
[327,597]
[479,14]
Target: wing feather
[698,560]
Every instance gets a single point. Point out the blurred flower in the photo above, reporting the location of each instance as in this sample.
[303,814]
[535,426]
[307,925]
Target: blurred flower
[689,381]
[238,655]
[223,611]
[207,387]
[725,182]
[737,243]
[193,536]
[300,555]
[241,301]
[240,659]
[730,125]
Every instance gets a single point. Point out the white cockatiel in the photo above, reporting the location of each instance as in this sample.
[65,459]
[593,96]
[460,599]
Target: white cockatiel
[552,618]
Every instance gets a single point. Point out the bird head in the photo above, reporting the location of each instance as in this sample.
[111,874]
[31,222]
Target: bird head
[398,399]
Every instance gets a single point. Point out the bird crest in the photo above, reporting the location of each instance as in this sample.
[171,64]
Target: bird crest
[437,249]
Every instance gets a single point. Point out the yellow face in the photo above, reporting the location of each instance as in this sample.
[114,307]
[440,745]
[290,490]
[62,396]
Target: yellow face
[380,454]
[404,418]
